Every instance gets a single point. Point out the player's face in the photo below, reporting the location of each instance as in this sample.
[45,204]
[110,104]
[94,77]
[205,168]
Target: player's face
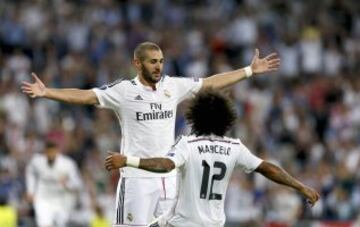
[152,66]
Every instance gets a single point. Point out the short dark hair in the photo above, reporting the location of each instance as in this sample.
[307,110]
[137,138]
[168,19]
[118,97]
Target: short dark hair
[50,144]
[210,112]
[139,51]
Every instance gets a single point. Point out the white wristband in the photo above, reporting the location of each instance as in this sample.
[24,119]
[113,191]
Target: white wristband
[132,161]
[248,71]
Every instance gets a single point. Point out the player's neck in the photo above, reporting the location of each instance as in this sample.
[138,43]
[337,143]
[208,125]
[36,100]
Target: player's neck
[147,83]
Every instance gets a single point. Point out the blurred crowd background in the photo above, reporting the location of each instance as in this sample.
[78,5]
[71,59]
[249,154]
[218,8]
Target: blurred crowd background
[305,117]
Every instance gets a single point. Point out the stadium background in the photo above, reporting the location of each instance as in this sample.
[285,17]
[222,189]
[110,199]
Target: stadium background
[305,117]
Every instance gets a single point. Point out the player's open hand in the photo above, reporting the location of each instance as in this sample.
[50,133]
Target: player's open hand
[36,89]
[266,64]
[311,195]
[114,161]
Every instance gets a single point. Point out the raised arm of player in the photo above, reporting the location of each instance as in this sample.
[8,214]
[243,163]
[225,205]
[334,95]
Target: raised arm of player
[257,66]
[157,165]
[280,176]
[70,95]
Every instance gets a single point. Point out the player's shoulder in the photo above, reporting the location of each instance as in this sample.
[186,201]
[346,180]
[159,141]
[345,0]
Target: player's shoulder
[181,139]
[232,140]
[67,160]
[119,83]
[174,79]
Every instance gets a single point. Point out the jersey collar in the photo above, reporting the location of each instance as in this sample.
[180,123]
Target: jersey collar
[147,88]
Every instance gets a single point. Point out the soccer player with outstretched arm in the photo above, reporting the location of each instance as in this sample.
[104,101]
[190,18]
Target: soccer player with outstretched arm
[206,160]
[146,109]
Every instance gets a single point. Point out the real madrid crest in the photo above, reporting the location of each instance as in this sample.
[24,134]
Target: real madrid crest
[167,93]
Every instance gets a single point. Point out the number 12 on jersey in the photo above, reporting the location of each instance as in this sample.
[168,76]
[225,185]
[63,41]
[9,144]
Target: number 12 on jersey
[214,177]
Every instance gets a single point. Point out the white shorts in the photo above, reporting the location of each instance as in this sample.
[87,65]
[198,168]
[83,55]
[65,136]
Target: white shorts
[48,213]
[139,200]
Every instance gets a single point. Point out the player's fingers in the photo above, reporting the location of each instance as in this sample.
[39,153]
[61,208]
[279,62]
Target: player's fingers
[36,77]
[257,53]
[108,167]
[111,152]
[25,87]
[273,67]
[271,56]
[25,83]
[274,61]
[27,91]
[274,64]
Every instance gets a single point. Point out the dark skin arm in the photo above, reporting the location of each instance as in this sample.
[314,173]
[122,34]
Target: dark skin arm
[270,171]
[157,165]
[280,176]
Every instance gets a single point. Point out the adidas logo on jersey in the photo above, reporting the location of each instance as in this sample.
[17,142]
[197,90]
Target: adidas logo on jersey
[138,98]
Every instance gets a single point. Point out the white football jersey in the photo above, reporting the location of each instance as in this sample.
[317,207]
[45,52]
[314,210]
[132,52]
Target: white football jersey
[44,181]
[146,116]
[205,165]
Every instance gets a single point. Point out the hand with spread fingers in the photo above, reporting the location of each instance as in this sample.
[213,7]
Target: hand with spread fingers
[114,161]
[266,64]
[36,89]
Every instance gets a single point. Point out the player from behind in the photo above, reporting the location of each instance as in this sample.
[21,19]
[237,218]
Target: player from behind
[206,160]
[146,109]
[52,184]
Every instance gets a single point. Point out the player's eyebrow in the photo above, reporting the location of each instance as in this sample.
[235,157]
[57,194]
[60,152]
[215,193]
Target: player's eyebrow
[156,59]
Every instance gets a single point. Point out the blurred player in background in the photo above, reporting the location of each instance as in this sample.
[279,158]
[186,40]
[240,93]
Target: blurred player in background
[52,183]
[146,109]
[206,160]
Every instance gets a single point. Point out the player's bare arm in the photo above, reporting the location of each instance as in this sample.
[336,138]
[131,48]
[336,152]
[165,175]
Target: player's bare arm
[280,176]
[70,95]
[258,66]
[158,165]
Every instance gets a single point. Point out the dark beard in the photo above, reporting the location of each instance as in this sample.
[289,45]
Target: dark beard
[147,75]
[51,162]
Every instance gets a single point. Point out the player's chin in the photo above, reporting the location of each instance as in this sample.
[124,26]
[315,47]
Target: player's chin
[156,77]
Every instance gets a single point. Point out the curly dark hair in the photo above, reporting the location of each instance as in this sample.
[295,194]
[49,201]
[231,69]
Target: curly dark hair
[210,113]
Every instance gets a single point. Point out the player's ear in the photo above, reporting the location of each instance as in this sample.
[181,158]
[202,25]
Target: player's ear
[137,63]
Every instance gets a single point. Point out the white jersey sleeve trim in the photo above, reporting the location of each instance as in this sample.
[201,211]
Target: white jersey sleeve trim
[247,160]
[110,96]
[179,153]
[99,97]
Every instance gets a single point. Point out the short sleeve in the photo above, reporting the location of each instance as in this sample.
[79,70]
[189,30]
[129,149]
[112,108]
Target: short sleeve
[246,160]
[187,87]
[110,96]
[179,153]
